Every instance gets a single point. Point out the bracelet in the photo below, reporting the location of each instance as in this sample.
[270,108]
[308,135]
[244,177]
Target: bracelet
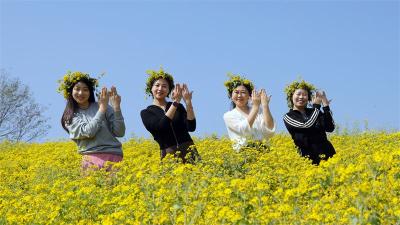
[175,104]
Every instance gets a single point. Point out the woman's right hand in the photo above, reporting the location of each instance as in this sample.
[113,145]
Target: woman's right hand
[103,100]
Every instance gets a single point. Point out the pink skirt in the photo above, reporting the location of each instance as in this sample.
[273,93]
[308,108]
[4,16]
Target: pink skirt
[99,160]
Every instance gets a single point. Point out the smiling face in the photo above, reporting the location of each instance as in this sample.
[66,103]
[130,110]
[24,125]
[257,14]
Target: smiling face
[300,98]
[160,89]
[240,96]
[81,94]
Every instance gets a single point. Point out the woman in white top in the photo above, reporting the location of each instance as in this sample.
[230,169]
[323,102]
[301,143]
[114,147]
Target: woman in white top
[248,125]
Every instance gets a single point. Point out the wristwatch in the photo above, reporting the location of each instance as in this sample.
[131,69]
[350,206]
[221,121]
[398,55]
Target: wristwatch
[175,104]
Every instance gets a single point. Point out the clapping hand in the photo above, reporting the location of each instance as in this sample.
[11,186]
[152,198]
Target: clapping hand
[265,98]
[325,100]
[103,100]
[186,94]
[177,93]
[317,98]
[115,99]
[256,98]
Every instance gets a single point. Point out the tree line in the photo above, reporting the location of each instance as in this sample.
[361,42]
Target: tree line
[21,117]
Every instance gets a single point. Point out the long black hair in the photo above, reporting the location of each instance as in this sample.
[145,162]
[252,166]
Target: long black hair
[72,106]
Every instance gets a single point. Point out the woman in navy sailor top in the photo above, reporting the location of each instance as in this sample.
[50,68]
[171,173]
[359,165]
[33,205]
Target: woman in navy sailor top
[308,126]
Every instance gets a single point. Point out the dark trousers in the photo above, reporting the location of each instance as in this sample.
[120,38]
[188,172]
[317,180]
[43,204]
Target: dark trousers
[318,151]
[186,151]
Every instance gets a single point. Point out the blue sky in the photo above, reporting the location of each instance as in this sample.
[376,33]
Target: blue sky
[350,49]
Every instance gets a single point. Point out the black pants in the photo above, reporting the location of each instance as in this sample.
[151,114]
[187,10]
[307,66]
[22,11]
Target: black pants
[182,151]
[318,151]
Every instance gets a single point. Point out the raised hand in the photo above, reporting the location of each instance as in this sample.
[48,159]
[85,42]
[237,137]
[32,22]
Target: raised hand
[115,99]
[265,98]
[103,100]
[325,100]
[177,93]
[186,94]
[256,98]
[317,98]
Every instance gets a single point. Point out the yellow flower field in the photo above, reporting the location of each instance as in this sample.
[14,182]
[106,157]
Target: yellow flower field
[43,184]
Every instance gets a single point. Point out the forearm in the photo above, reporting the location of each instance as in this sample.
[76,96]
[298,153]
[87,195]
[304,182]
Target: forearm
[118,124]
[328,119]
[171,111]
[269,121]
[190,111]
[252,115]
[117,108]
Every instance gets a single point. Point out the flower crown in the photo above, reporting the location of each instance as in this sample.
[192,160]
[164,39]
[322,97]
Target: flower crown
[71,78]
[298,84]
[155,75]
[235,81]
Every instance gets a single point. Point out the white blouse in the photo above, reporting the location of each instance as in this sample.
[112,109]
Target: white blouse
[239,129]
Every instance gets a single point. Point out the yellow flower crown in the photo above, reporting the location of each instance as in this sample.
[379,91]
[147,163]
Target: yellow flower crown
[71,78]
[235,81]
[155,75]
[298,84]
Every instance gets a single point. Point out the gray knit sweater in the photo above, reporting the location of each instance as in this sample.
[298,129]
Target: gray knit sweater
[96,132]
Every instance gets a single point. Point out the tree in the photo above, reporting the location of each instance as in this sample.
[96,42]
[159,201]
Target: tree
[21,118]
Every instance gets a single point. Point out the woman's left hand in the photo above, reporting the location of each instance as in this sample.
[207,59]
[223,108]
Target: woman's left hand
[325,100]
[265,99]
[317,98]
[186,94]
[177,93]
[115,99]
[256,98]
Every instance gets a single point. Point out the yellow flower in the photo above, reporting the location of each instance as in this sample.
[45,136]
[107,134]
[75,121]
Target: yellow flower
[43,184]
[155,75]
[298,84]
[235,81]
[71,78]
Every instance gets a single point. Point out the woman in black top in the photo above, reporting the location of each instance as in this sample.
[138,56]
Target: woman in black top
[307,126]
[169,122]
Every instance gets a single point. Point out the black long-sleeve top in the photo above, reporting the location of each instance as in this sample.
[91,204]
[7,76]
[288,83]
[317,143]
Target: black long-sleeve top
[165,131]
[308,131]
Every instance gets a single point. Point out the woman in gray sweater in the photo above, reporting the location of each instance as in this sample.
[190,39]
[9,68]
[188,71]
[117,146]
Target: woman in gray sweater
[93,126]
